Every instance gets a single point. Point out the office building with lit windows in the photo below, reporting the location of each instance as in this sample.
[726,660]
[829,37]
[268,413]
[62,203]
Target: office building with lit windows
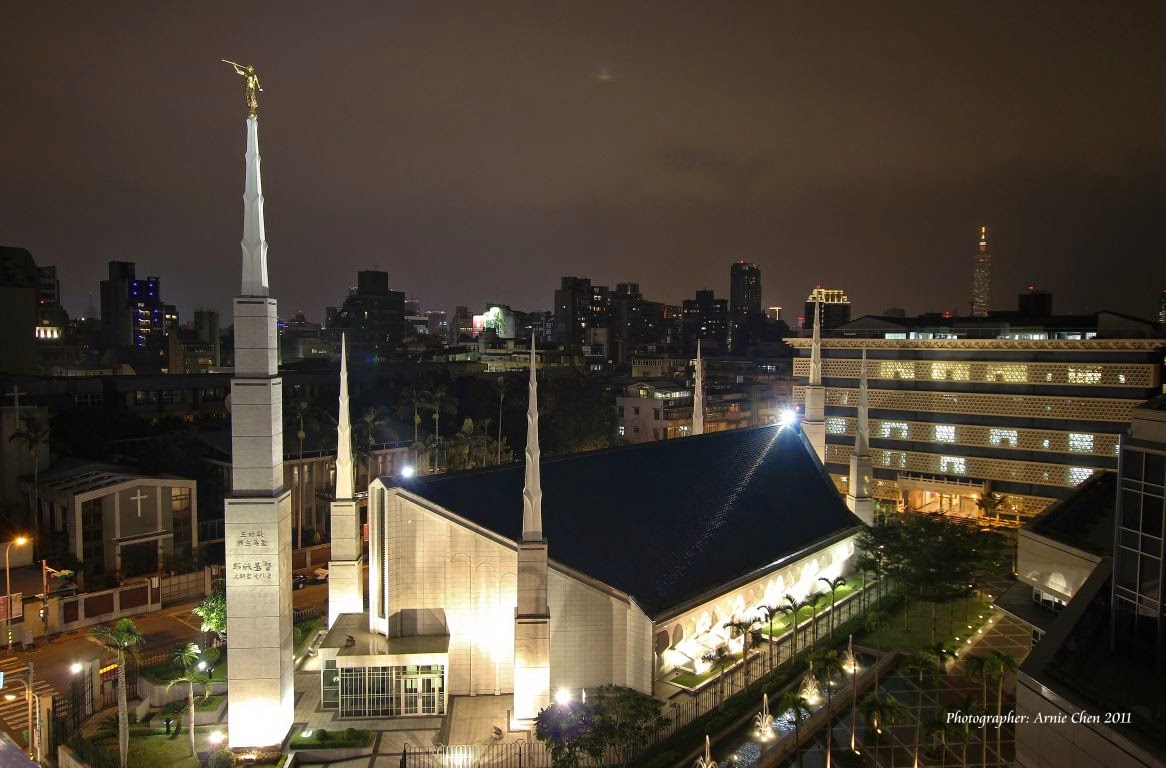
[833,304]
[1020,407]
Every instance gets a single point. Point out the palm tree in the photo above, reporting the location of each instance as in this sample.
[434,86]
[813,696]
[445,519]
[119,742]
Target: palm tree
[409,406]
[32,434]
[769,613]
[871,623]
[124,640]
[790,607]
[921,664]
[812,601]
[439,401]
[999,665]
[719,657]
[186,655]
[827,663]
[799,710]
[501,384]
[879,712]
[368,425]
[941,652]
[834,585]
[977,670]
[743,628]
[940,728]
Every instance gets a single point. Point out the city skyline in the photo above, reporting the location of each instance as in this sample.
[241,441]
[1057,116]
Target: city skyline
[819,150]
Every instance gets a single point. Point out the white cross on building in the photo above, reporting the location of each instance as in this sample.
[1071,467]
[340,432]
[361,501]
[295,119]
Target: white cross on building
[139,497]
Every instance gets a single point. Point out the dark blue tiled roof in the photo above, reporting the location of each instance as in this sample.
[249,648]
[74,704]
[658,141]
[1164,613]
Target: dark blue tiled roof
[664,521]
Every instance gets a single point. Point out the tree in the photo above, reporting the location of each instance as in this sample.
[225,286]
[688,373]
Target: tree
[371,421]
[769,613]
[834,585]
[999,665]
[124,640]
[812,601]
[502,384]
[567,732]
[790,606]
[33,433]
[941,652]
[977,669]
[409,406]
[213,612]
[921,664]
[719,657]
[940,729]
[871,622]
[187,656]
[882,712]
[826,663]
[440,401]
[799,710]
[989,504]
[743,628]
[624,719]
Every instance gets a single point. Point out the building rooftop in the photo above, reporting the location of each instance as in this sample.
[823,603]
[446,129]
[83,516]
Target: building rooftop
[1085,519]
[668,521]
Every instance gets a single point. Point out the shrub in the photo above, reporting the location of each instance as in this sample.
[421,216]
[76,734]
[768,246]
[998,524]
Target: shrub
[321,734]
[351,734]
[224,758]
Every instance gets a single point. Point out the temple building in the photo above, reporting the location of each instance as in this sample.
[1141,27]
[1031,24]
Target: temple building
[612,567]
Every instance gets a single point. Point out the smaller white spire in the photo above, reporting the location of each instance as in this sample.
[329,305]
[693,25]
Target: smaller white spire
[532,492]
[698,396]
[862,422]
[345,479]
[816,348]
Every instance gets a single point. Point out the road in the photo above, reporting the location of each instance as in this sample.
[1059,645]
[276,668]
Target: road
[51,659]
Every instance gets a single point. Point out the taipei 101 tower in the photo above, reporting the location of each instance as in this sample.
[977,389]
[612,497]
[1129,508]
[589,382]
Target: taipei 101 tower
[258,509]
[982,277]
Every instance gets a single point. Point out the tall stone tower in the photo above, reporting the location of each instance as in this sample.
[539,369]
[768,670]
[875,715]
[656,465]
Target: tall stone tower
[814,421]
[698,395]
[982,277]
[345,569]
[858,497]
[258,510]
[532,619]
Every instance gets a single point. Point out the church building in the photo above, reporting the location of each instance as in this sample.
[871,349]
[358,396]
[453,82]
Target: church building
[625,575]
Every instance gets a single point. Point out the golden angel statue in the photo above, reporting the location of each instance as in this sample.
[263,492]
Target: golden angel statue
[251,83]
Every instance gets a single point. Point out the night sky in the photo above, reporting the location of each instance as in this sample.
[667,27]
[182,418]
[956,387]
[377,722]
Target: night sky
[478,151]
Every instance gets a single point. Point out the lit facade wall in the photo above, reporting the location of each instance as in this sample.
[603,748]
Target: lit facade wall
[1025,418]
[433,573]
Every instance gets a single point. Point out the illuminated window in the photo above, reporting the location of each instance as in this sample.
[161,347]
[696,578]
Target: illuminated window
[1003,437]
[945,433]
[1078,475]
[1121,378]
[1044,443]
[896,430]
[894,369]
[835,425]
[1080,442]
[1008,373]
[953,465]
[1085,374]
[621,430]
[950,371]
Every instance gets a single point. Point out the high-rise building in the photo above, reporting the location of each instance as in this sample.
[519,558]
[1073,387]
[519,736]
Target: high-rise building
[572,309]
[834,308]
[773,314]
[707,318]
[438,323]
[1018,407]
[744,289]
[1035,303]
[982,277]
[51,318]
[132,312]
[373,317]
[19,286]
[206,326]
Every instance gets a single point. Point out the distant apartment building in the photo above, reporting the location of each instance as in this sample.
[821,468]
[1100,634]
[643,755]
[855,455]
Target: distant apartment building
[1019,406]
[706,317]
[19,287]
[662,409]
[834,306]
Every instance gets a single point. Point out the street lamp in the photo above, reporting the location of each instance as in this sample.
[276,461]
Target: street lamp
[19,541]
[31,698]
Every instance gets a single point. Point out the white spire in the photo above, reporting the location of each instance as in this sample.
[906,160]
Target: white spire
[698,396]
[254,241]
[862,423]
[532,492]
[344,466]
[816,347]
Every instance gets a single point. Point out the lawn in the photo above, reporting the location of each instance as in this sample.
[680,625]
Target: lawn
[164,671]
[324,739]
[304,632]
[909,629]
[691,680]
[200,704]
[151,747]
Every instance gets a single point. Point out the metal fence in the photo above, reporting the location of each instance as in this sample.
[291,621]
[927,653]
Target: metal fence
[679,714]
